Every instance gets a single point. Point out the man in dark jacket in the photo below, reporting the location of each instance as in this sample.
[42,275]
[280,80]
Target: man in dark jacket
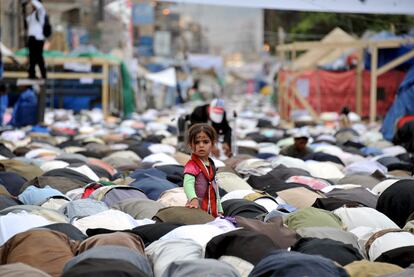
[215,115]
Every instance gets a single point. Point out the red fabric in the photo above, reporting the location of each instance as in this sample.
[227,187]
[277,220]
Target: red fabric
[218,110]
[330,91]
[66,131]
[404,120]
[191,168]
[209,202]
[90,189]
[87,192]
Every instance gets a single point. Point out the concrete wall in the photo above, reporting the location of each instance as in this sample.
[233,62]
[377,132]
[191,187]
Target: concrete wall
[227,29]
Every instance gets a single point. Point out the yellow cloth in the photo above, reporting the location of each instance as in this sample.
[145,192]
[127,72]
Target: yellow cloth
[366,268]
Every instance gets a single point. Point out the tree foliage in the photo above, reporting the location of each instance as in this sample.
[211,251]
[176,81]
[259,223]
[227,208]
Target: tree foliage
[352,23]
[311,25]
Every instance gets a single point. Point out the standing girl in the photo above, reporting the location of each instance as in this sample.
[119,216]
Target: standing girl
[199,173]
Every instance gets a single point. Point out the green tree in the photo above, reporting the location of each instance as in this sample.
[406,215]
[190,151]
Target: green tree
[352,23]
[314,25]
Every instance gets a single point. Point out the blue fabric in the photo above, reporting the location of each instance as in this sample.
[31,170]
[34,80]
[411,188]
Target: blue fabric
[7,201]
[83,207]
[146,144]
[155,67]
[286,207]
[403,105]
[153,186]
[145,50]
[371,151]
[1,70]
[40,129]
[25,109]
[265,156]
[4,102]
[172,129]
[169,97]
[293,264]
[78,103]
[146,40]
[140,174]
[36,196]
[12,182]
[388,54]
[274,213]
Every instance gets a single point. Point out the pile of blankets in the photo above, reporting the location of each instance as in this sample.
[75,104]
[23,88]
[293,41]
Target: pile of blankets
[87,197]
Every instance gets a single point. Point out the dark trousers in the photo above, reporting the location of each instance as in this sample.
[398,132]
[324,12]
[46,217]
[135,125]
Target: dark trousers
[36,57]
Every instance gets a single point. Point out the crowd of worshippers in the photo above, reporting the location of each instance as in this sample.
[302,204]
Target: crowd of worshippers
[84,197]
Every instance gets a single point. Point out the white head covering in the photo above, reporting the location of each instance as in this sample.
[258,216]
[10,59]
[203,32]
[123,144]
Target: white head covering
[216,110]
[301,133]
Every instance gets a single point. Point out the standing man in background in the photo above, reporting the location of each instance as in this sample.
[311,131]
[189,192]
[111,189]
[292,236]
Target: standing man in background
[36,39]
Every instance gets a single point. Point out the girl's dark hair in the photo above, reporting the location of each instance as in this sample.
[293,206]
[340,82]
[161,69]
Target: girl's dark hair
[198,128]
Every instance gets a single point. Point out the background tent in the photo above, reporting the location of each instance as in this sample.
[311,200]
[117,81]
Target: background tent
[328,91]
[323,56]
[403,105]
[388,54]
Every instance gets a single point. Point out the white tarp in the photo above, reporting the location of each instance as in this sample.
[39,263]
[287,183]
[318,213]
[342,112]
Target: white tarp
[5,51]
[348,6]
[78,67]
[166,77]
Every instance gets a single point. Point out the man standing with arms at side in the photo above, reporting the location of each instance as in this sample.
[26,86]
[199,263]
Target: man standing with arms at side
[36,39]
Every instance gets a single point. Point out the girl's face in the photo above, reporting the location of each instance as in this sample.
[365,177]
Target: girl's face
[202,146]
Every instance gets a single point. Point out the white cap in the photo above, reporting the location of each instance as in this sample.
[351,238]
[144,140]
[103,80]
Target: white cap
[301,134]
